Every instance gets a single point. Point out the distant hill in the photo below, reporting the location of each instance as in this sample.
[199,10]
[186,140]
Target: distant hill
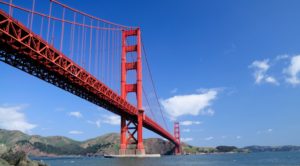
[272,148]
[107,144]
[57,145]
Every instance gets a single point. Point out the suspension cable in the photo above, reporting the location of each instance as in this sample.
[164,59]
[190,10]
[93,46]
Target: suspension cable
[155,92]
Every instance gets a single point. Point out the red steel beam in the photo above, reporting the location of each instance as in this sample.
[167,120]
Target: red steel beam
[14,35]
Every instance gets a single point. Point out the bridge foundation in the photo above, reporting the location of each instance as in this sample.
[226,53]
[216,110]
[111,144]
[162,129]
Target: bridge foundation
[131,138]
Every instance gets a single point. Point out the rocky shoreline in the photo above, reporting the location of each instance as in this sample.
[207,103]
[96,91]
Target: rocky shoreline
[12,158]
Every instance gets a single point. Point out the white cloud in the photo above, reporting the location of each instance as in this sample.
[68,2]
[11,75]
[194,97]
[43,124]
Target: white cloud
[209,112]
[260,72]
[265,131]
[238,137]
[12,119]
[293,70]
[107,119]
[271,80]
[75,114]
[186,139]
[282,57]
[186,130]
[192,104]
[75,132]
[208,138]
[188,123]
[112,119]
[97,123]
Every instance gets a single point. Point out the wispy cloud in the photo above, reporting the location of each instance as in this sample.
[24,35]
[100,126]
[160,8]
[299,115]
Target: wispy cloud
[192,104]
[75,132]
[293,70]
[12,118]
[112,119]
[188,123]
[209,138]
[209,112]
[186,139]
[260,72]
[97,123]
[271,80]
[282,57]
[75,114]
[174,90]
[186,130]
[107,119]
[238,137]
[290,70]
[267,131]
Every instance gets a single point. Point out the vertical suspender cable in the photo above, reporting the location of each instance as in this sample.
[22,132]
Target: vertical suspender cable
[32,10]
[97,51]
[73,36]
[103,54]
[42,26]
[100,53]
[62,31]
[78,45]
[112,59]
[10,8]
[90,50]
[148,67]
[84,47]
[50,11]
[53,29]
[82,43]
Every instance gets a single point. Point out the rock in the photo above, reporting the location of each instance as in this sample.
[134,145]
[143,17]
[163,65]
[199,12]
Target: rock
[19,159]
[3,148]
[4,163]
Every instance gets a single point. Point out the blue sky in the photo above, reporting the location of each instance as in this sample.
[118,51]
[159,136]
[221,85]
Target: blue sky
[235,63]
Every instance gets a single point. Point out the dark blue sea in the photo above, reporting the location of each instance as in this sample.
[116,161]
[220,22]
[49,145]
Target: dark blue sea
[250,159]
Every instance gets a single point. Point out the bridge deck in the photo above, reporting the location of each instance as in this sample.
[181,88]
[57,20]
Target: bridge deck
[21,48]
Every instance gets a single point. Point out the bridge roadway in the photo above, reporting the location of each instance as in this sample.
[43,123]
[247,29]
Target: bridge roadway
[21,48]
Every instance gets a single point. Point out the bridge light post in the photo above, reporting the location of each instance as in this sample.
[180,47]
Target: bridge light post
[128,88]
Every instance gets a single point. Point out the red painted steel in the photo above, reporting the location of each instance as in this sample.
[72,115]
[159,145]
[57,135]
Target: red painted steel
[23,49]
[177,137]
[59,19]
[90,16]
[136,88]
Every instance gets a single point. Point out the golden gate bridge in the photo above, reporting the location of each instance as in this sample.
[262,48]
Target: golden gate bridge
[88,57]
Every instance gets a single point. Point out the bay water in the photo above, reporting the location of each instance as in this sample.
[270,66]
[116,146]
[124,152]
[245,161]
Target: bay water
[237,159]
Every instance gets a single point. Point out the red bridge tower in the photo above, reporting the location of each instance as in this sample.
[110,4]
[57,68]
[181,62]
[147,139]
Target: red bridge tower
[177,137]
[132,127]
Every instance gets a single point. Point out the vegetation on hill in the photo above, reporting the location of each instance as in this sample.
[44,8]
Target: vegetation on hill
[107,144]
[272,148]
